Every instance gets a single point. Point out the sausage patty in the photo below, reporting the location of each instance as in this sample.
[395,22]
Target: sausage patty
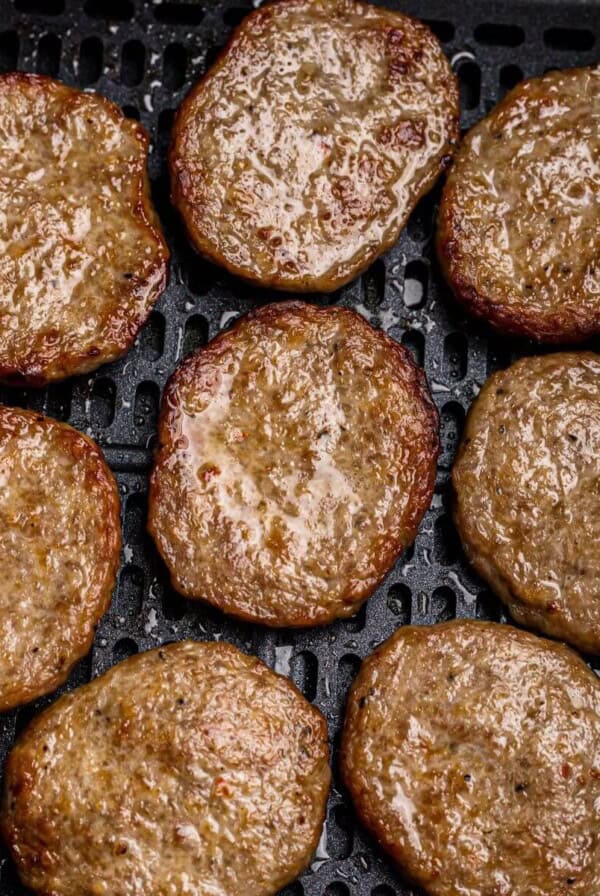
[299,156]
[472,753]
[188,769]
[82,260]
[527,493]
[297,458]
[60,540]
[519,224]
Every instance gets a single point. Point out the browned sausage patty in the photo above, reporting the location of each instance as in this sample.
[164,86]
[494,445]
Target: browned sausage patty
[297,458]
[472,753]
[191,769]
[519,223]
[297,159]
[82,260]
[60,539]
[527,485]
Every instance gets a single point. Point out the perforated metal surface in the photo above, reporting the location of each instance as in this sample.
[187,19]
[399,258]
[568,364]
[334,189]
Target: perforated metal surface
[145,56]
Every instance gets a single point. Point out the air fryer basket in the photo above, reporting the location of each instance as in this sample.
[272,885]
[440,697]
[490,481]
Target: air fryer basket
[145,55]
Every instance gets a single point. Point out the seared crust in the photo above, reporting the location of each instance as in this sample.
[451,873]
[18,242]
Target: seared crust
[472,753]
[60,541]
[527,505]
[188,769]
[298,157]
[83,259]
[297,457]
[519,224]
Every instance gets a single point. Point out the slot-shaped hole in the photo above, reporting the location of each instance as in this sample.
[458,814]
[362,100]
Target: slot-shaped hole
[131,112]
[133,58]
[134,527]
[510,75]
[90,60]
[452,420]
[196,333]
[165,123]
[357,622]
[174,66]
[152,337]
[469,79]
[295,889]
[41,7]
[488,607]
[337,888]
[179,13]
[456,350]
[119,10]
[374,285]
[416,279]
[569,39]
[58,400]
[123,649]
[420,223]
[304,670]
[382,890]
[347,670]
[443,604]
[145,408]
[446,545]
[443,30]
[235,15]
[499,35]
[9,51]
[131,590]
[414,341]
[48,55]
[399,603]
[340,833]
[174,606]
[102,403]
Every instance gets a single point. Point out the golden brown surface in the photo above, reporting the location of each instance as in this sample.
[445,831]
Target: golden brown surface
[472,752]
[82,260]
[60,540]
[298,157]
[297,458]
[191,769]
[519,223]
[527,486]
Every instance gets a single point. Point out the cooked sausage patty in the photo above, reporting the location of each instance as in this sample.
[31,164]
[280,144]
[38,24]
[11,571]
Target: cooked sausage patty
[191,769]
[472,753]
[519,223]
[60,539]
[299,156]
[82,260]
[527,484]
[297,458]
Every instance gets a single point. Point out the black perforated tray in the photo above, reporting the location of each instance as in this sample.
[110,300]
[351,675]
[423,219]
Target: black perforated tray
[145,56]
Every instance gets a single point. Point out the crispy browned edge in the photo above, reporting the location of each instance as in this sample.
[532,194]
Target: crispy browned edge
[18,778]
[186,372]
[551,329]
[35,369]
[301,284]
[481,559]
[79,445]
[366,811]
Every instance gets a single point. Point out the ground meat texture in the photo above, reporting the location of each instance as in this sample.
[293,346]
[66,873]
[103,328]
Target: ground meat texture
[188,769]
[297,456]
[527,493]
[299,156]
[82,260]
[519,224]
[472,753]
[60,540]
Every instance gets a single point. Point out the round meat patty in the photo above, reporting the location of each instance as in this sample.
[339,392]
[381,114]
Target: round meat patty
[297,458]
[472,753]
[60,541]
[188,769]
[82,259]
[519,223]
[527,493]
[299,156]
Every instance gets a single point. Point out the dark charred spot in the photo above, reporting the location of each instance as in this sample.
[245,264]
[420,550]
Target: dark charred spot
[361,702]
[94,351]
[519,788]
[128,275]
[570,881]
[467,778]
